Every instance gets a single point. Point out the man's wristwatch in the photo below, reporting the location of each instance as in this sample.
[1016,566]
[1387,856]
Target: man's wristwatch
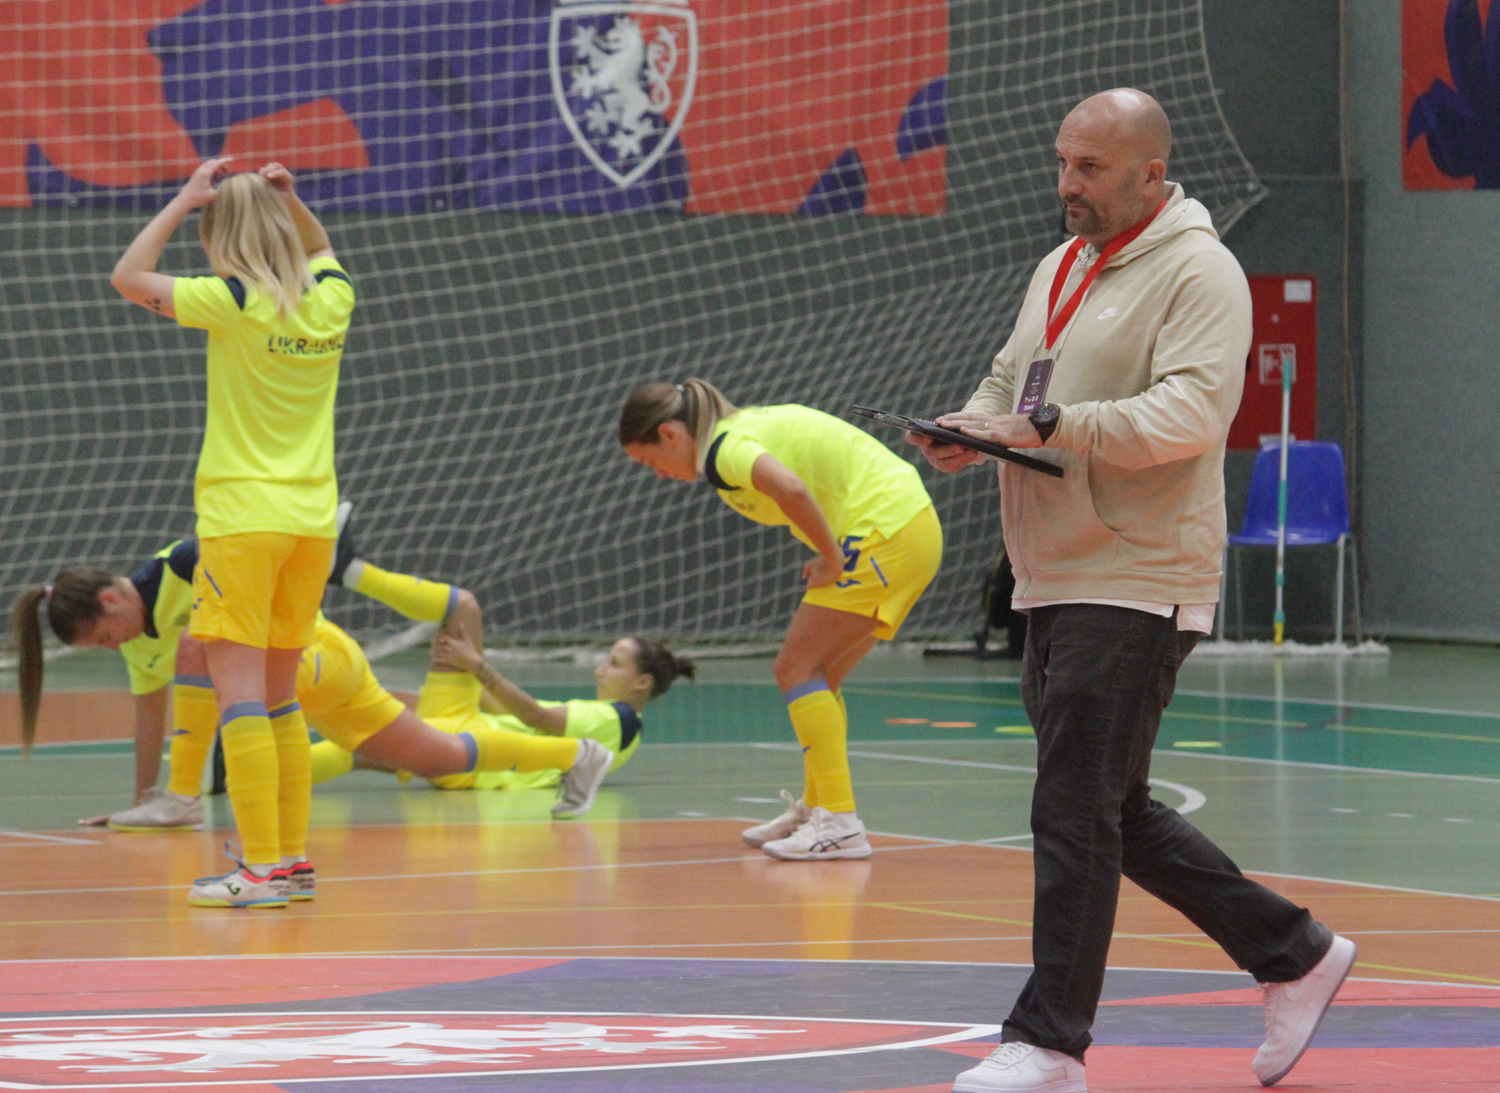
[1044,419]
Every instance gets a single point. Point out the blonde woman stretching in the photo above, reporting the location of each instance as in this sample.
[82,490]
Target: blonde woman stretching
[276,311]
[879,544]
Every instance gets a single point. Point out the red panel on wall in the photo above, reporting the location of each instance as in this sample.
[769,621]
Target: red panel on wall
[1286,332]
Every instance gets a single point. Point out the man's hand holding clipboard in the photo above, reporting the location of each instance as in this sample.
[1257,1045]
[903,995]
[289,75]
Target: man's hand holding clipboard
[954,441]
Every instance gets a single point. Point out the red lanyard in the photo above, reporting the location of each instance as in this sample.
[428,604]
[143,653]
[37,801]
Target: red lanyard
[1059,322]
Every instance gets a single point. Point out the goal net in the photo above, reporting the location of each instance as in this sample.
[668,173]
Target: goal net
[543,203]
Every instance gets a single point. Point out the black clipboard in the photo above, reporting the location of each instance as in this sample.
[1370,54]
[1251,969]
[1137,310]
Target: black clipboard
[963,440]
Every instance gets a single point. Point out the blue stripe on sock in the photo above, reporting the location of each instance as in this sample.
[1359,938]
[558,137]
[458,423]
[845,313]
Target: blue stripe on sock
[472,747]
[193,681]
[802,690]
[452,602]
[243,709]
[282,711]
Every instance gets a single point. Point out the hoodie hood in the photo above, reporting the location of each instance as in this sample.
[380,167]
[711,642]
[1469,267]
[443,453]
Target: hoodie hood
[1181,214]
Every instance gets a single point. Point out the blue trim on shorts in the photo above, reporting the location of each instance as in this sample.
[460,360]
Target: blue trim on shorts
[243,709]
[282,711]
[472,747]
[802,690]
[207,576]
[194,681]
[876,566]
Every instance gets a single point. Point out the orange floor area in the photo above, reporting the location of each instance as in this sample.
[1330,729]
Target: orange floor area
[647,888]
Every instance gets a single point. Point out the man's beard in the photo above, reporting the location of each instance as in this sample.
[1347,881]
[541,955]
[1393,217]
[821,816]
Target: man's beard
[1082,218]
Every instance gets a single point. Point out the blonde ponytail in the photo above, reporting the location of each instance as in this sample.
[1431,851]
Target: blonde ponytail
[249,234]
[696,403]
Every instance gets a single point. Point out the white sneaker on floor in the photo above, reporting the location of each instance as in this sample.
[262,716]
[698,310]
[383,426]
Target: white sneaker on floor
[575,793]
[795,816]
[160,810]
[1293,1011]
[301,880]
[242,888]
[1023,1068]
[827,836]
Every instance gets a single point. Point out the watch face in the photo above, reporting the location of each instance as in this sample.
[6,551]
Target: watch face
[1046,414]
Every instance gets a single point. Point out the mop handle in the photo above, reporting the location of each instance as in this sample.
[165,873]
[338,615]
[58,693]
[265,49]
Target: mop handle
[1286,429]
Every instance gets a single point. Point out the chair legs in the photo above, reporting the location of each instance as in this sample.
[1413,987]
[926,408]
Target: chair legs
[1346,571]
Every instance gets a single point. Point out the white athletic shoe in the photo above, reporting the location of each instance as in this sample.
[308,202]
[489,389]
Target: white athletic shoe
[795,816]
[301,880]
[827,836]
[242,888]
[1023,1068]
[1293,1011]
[575,793]
[160,810]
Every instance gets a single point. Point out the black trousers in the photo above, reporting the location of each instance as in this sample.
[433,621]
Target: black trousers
[1095,681]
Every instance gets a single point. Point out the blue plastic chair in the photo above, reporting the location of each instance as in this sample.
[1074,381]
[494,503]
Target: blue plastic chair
[1317,514]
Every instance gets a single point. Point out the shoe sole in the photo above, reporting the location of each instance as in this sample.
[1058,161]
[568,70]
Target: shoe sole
[853,853]
[147,828]
[1327,1005]
[248,905]
[1070,1085]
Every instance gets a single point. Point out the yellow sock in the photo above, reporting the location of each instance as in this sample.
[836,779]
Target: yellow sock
[195,719]
[294,784]
[500,749]
[329,761]
[253,774]
[819,723]
[425,601]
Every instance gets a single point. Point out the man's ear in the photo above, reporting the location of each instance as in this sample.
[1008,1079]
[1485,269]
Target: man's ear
[110,597]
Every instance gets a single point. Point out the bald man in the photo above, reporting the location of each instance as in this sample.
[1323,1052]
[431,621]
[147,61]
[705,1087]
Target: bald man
[1124,368]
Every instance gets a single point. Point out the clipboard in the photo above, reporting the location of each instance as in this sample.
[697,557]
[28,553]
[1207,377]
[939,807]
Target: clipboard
[963,440]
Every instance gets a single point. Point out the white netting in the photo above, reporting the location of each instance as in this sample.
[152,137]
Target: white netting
[542,205]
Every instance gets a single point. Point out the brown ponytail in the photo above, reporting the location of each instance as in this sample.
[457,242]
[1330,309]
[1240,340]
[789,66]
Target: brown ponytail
[661,664]
[696,403]
[72,603]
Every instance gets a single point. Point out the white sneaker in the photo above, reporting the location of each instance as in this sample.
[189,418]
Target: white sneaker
[1017,1067]
[242,888]
[575,793]
[301,880]
[160,810]
[1293,1011]
[795,816]
[827,836]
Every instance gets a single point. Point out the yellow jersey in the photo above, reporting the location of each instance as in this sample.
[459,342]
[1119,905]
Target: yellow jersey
[860,485]
[267,462]
[165,583]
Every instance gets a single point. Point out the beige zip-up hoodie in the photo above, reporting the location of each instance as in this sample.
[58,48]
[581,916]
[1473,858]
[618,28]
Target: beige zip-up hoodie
[1149,379]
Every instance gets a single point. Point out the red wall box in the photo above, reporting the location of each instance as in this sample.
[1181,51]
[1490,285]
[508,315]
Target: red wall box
[1286,330]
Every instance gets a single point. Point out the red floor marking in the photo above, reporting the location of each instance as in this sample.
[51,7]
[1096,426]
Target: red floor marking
[1332,1070]
[120,985]
[1355,992]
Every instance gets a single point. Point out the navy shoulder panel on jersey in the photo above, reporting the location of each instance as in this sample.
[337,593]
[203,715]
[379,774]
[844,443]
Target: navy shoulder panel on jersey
[183,558]
[711,468]
[630,723]
[236,289]
[336,274]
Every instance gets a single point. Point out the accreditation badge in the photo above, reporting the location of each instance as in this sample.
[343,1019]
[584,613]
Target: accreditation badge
[1038,376]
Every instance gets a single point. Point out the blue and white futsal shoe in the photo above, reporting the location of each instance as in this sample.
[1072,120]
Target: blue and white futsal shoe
[575,793]
[242,888]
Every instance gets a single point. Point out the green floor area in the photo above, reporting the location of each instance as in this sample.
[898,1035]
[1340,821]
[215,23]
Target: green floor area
[1380,771]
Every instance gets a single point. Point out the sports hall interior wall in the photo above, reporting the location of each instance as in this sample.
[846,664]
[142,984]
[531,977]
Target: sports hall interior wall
[1431,403]
[490,351]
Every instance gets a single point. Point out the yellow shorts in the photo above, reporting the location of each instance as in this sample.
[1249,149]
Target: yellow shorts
[340,696]
[888,575]
[262,588]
